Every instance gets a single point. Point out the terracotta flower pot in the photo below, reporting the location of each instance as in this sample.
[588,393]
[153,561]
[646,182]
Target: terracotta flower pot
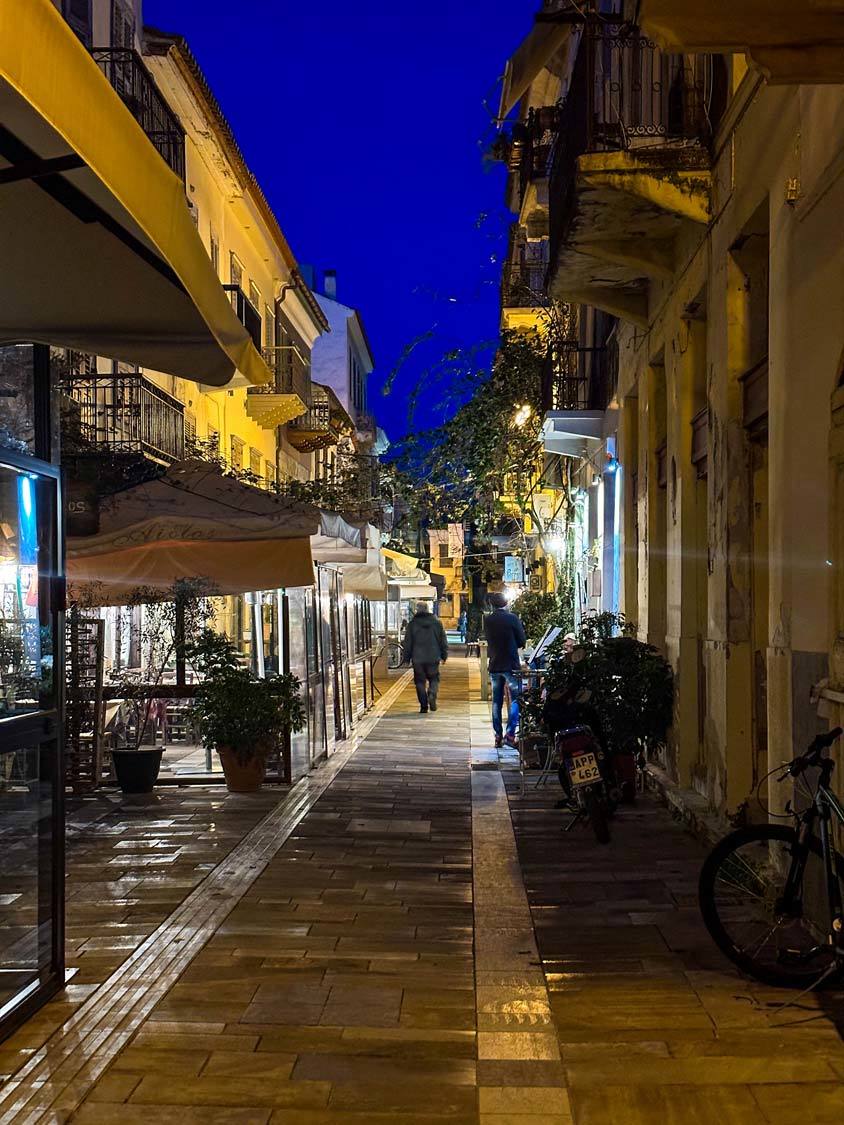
[240,778]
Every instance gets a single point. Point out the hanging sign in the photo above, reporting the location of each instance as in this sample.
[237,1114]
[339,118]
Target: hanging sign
[514,569]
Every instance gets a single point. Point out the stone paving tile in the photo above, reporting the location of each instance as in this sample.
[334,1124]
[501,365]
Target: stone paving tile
[653,1024]
[358,981]
[340,987]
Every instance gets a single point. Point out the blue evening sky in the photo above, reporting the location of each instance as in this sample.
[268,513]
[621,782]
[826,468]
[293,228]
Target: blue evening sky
[364,122]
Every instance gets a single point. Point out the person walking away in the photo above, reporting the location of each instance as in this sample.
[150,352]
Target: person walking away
[425,645]
[505,635]
[461,625]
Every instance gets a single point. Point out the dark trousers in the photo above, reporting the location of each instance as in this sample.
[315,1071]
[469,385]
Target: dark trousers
[426,679]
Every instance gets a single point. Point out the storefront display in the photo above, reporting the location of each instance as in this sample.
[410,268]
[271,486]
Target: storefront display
[31,794]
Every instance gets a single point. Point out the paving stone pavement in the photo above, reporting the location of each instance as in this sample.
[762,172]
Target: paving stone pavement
[427,947]
[653,1024]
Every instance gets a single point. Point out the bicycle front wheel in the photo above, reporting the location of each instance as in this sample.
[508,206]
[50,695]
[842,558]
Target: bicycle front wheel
[741,894]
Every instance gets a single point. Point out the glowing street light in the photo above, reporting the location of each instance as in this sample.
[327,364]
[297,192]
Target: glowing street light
[522,415]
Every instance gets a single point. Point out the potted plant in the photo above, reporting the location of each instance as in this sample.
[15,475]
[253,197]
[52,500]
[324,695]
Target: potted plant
[629,683]
[241,716]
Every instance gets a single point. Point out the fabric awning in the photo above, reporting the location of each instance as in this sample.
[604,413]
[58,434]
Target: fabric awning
[367,579]
[99,250]
[193,522]
[340,539]
[399,563]
[414,591]
[535,52]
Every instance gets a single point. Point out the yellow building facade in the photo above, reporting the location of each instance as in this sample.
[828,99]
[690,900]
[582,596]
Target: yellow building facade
[707,223]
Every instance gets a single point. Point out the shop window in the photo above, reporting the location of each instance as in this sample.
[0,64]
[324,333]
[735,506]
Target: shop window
[26,645]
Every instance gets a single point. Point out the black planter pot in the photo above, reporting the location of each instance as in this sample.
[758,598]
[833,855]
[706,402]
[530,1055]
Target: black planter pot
[137,770]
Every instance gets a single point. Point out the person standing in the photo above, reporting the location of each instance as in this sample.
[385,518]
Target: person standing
[462,621]
[425,645]
[505,635]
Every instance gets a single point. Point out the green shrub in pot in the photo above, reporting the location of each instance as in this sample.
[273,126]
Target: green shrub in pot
[240,715]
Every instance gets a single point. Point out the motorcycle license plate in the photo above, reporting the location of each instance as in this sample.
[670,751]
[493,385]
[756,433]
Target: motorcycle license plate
[583,770]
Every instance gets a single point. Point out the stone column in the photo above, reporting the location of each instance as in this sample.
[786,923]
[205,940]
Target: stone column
[628,456]
[729,751]
[806,293]
[684,359]
[651,509]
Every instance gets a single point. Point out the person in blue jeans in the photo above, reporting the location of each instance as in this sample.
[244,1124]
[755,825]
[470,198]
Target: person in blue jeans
[505,635]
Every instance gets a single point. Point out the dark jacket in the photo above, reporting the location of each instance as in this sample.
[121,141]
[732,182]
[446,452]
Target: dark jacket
[505,635]
[425,641]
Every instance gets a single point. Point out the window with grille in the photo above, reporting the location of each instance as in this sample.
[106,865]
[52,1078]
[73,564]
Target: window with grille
[445,558]
[255,462]
[122,25]
[236,447]
[235,270]
[78,15]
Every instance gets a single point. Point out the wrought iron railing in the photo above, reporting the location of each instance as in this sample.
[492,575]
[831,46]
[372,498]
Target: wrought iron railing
[317,418]
[624,93]
[126,414]
[291,373]
[579,378]
[125,70]
[523,284]
[532,144]
[246,312]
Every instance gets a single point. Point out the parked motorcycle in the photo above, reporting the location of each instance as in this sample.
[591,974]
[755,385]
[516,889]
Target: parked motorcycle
[587,778]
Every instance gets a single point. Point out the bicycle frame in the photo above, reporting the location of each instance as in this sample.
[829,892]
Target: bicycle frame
[824,805]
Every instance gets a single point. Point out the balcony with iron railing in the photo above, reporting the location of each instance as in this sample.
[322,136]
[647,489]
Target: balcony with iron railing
[628,168]
[287,396]
[523,284]
[246,313]
[125,70]
[123,414]
[578,385]
[316,428]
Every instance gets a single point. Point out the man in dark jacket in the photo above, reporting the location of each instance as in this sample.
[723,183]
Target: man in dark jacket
[425,645]
[505,635]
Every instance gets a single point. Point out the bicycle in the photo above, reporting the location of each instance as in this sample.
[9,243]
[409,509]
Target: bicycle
[394,655]
[770,894]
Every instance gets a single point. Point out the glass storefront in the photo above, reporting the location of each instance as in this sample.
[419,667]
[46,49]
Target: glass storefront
[31,670]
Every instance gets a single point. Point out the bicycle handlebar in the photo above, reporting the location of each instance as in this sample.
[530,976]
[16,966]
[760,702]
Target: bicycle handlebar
[812,755]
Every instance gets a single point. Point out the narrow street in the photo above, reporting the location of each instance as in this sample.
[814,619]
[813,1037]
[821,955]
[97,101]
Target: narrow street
[401,939]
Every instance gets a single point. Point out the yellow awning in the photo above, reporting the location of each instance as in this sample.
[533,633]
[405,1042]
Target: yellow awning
[99,250]
[535,52]
[404,563]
